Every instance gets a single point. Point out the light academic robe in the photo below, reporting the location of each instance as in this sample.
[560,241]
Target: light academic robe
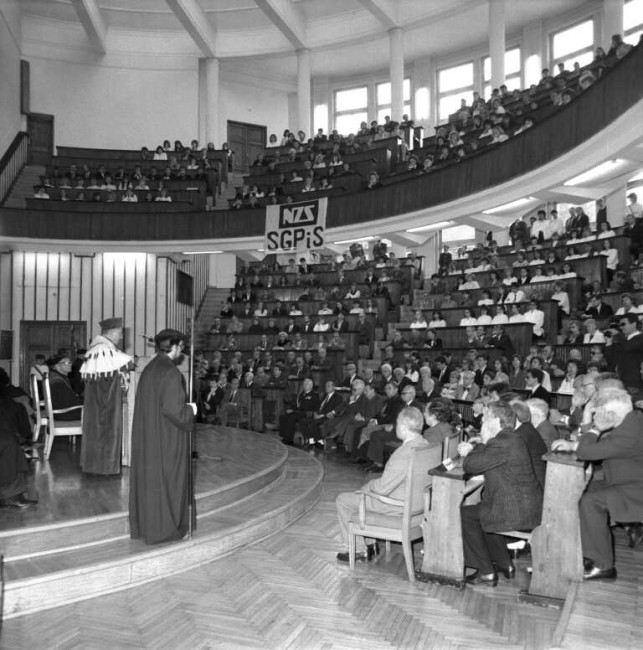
[158,497]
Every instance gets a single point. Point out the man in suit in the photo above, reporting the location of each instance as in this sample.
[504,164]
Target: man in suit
[625,353]
[305,404]
[539,410]
[365,336]
[387,434]
[500,339]
[350,376]
[482,363]
[307,327]
[528,432]
[212,398]
[441,370]
[469,390]
[335,428]
[371,408]
[512,498]
[616,439]
[533,382]
[391,484]
[330,406]
[234,402]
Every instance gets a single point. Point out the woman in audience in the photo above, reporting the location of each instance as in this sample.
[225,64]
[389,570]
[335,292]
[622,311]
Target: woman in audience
[160,153]
[628,306]
[508,277]
[437,320]
[521,260]
[515,315]
[441,418]
[418,322]
[501,369]
[537,258]
[571,375]
[469,319]
[62,393]
[592,333]
[572,253]
[605,231]
[486,298]
[567,271]
[410,371]
[611,254]
[485,317]
[450,389]
[499,135]
[516,373]
[469,284]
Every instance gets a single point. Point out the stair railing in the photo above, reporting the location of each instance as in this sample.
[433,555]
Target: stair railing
[12,163]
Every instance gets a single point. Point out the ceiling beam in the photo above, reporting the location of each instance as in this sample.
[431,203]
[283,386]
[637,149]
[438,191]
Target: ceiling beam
[197,25]
[384,10]
[91,19]
[288,18]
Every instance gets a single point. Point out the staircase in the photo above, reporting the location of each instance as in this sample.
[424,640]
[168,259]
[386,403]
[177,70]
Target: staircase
[210,309]
[228,191]
[24,185]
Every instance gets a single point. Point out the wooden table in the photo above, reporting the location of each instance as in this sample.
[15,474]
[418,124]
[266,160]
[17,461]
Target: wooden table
[442,527]
[557,557]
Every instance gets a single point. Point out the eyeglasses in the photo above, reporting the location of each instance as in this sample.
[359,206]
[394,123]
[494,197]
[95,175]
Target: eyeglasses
[623,324]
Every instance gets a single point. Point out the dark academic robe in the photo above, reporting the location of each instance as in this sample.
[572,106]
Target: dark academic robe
[158,498]
[13,465]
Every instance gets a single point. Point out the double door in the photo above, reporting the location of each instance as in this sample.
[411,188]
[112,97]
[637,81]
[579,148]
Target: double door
[246,140]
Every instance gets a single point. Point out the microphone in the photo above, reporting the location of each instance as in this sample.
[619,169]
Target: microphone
[149,339]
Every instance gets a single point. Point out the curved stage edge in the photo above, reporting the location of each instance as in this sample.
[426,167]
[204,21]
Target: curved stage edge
[257,488]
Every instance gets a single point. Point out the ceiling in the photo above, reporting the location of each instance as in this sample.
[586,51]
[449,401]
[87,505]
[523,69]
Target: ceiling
[345,36]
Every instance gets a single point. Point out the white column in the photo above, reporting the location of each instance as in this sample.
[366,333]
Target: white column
[533,54]
[321,112]
[209,102]
[612,21]
[303,92]
[396,45]
[497,42]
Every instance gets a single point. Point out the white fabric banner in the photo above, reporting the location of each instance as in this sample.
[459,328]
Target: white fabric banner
[296,226]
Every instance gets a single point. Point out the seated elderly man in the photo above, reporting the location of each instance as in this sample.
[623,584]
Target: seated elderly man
[615,438]
[512,497]
[539,410]
[391,484]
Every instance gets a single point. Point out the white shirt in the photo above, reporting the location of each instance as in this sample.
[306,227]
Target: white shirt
[468,321]
[537,318]
[562,298]
[515,296]
[485,301]
[484,320]
[555,226]
[539,227]
[606,234]
[612,258]
[517,318]
[597,337]
[437,323]
[500,319]
[469,286]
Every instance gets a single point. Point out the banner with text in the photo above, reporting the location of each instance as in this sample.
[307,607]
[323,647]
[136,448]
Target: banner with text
[296,226]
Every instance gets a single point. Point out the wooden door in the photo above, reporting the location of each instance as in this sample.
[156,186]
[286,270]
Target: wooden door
[40,128]
[47,337]
[246,140]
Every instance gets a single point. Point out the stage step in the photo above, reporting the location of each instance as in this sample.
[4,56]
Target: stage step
[115,562]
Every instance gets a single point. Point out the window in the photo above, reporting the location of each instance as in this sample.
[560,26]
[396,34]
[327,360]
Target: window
[383,96]
[454,84]
[351,109]
[632,21]
[573,45]
[512,71]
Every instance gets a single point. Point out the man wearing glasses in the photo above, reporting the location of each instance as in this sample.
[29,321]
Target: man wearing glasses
[625,353]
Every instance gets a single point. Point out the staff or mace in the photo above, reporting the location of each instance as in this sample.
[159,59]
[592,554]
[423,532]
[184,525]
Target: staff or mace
[191,512]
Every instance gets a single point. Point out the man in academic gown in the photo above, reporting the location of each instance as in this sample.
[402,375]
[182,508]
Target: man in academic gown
[104,372]
[158,497]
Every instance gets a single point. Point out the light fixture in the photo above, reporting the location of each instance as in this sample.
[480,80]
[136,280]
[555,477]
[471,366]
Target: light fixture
[201,252]
[514,205]
[432,226]
[608,168]
[357,239]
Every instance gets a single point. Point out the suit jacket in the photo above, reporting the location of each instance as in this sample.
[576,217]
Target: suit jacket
[504,343]
[307,402]
[479,378]
[435,435]
[389,411]
[540,393]
[331,403]
[626,356]
[472,392]
[537,449]
[512,498]
[548,432]
[621,451]
[392,483]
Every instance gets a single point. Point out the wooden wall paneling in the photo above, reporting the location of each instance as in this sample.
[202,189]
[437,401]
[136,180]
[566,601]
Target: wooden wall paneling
[150,328]
[129,304]
[83,279]
[160,319]
[6,291]
[139,307]
[64,289]
[52,286]
[27,283]
[108,281]
[40,280]
[18,297]
[96,297]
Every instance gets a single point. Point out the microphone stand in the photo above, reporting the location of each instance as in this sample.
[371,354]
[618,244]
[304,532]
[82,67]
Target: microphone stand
[191,509]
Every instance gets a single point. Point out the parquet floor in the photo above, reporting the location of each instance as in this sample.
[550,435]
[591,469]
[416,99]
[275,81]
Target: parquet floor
[289,593]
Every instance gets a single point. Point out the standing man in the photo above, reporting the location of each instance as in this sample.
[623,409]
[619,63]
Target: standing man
[104,373]
[158,496]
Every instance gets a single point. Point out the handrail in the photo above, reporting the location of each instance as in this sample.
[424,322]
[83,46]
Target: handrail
[568,127]
[12,162]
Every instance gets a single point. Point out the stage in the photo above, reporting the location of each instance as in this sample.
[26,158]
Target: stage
[75,543]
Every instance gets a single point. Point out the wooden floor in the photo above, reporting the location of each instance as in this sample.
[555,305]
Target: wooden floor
[288,592]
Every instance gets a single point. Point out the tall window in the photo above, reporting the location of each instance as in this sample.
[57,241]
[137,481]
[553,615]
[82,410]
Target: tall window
[454,84]
[383,95]
[574,44]
[351,109]
[512,71]
[632,21]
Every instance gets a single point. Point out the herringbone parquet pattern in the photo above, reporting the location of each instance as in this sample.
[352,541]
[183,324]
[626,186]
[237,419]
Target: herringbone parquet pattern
[289,593]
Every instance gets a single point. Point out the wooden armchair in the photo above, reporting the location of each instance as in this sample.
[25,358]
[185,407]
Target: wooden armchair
[60,428]
[41,419]
[404,527]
